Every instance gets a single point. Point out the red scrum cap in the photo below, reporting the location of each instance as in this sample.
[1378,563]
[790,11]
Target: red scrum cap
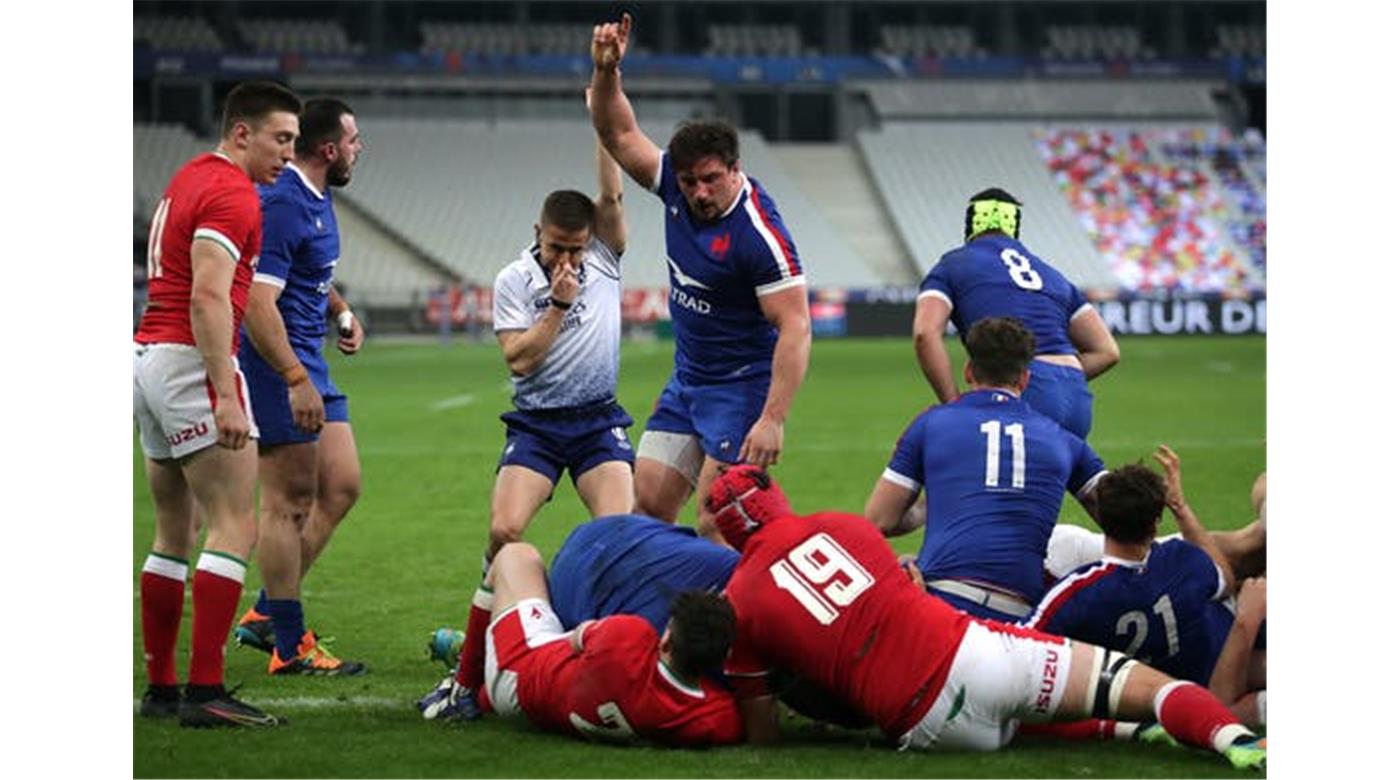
[742,499]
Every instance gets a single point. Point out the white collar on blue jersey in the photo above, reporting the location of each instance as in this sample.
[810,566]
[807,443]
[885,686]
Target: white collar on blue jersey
[319,195]
[743,193]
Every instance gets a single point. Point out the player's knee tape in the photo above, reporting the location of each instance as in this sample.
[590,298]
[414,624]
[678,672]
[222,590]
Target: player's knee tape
[1111,670]
[680,451]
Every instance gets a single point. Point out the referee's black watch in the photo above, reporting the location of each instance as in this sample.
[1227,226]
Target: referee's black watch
[558,304]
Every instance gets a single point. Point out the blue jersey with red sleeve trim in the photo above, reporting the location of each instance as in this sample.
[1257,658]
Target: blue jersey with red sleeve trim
[1167,610]
[301,246]
[718,272]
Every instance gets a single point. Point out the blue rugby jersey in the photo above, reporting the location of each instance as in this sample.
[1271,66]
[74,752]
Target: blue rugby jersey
[997,276]
[300,249]
[718,271]
[995,471]
[633,564]
[1167,611]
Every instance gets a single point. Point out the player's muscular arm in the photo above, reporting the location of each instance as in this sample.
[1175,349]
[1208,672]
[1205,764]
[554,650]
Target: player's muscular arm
[610,110]
[1098,350]
[611,226]
[1229,680]
[211,320]
[787,310]
[268,333]
[1191,528]
[894,509]
[930,320]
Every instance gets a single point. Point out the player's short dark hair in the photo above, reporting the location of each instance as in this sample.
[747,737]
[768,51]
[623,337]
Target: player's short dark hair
[1130,501]
[697,139]
[252,101]
[320,122]
[569,210]
[1000,349]
[702,629]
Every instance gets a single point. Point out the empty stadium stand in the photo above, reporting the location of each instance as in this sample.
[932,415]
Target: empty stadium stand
[508,39]
[468,193]
[926,172]
[1042,100]
[176,33]
[304,36]
[930,41]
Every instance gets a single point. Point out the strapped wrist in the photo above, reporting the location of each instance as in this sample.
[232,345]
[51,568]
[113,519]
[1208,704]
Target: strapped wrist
[295,375]
[561,305]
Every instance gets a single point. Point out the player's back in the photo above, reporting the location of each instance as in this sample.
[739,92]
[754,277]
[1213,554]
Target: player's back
[623,689]
[995,472]
[824,596]
[633,564]
[997,276]
[209,198]
[1165,611]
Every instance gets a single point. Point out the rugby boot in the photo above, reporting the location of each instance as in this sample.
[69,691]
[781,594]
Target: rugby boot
[254,630]
[445,644]
[449,701]
[160,701]
[1248,754]
[213,707]
[313,658]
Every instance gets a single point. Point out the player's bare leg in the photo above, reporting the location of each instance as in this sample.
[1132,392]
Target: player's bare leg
[1106,684]
[176,529]
[223,483]
[518,495]
[606,489]
[287,474]
[517,574]
[704,519]
[661,489]
[337,489]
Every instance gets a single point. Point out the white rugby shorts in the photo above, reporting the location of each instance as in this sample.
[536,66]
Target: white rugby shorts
[173,400]
[528,625]
[1002,674]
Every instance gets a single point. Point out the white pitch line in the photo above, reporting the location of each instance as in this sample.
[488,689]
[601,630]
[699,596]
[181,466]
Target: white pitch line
[323,703]
[454,402]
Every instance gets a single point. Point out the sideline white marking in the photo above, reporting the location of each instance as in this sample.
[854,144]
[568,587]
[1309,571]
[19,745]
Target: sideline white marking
[454,402]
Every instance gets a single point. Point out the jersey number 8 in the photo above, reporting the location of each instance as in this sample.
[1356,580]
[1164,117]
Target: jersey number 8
[1019,266]
[822,576]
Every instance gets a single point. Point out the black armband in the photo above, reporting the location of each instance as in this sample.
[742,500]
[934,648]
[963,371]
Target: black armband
[558,304]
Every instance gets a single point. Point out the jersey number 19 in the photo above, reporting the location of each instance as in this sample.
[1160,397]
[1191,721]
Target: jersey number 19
[822,576]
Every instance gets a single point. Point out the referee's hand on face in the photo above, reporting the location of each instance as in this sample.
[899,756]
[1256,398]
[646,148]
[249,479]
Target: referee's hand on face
[563,285]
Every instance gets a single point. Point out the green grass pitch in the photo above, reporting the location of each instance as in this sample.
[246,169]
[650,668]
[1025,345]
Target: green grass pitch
[408,557]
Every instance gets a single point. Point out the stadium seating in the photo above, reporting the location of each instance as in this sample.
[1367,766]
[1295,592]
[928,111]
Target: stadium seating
[754,40]
[504,39]
[177,33]
[925,173]
[159,151]
[1238,40]
[1036,100]
[1081,42]
[930,41]
[304,36]
[467,193]
[1159,217]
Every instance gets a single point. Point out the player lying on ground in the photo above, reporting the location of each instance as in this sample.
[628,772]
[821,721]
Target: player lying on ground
[1164,602]
[610,679]
[824,596]
[1245,548]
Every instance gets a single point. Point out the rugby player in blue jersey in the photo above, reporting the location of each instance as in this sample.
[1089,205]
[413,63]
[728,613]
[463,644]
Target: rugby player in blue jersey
[738,298]
[308,466]
[995,472]
[1166,602]
[995,275]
